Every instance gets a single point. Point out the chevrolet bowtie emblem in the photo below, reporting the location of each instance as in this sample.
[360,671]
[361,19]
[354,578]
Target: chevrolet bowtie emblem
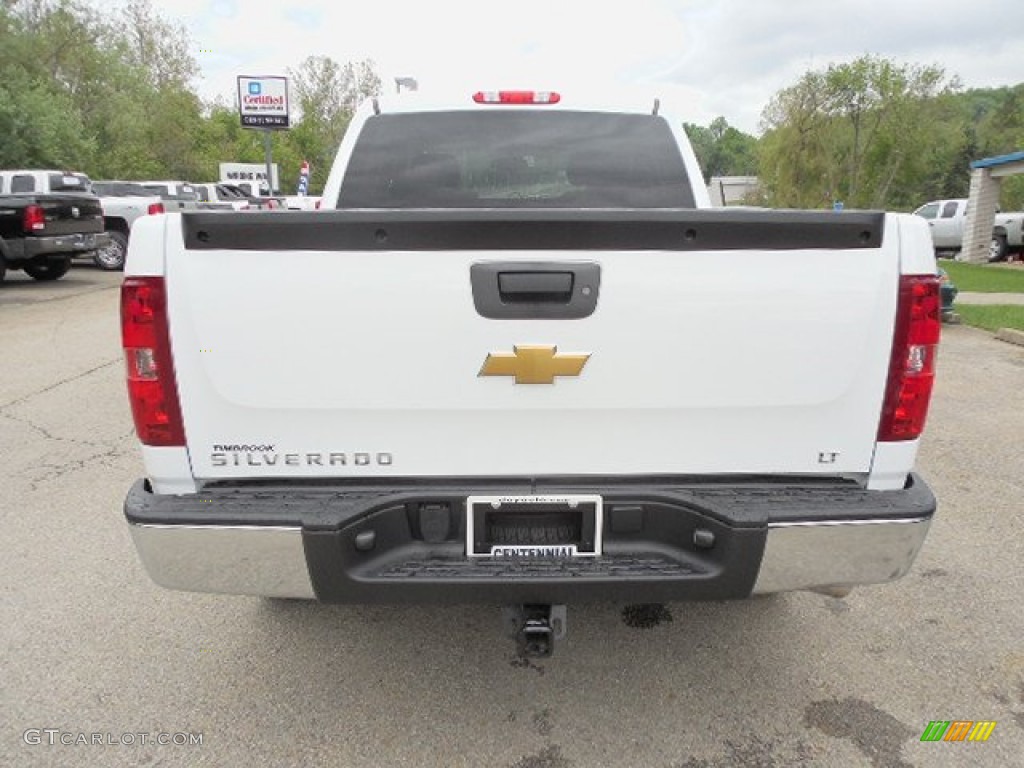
[533,364]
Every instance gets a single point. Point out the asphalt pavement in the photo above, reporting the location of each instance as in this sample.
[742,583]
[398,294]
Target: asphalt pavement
[94,652]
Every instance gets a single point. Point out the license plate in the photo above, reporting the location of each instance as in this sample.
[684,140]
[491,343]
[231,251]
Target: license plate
[534,526]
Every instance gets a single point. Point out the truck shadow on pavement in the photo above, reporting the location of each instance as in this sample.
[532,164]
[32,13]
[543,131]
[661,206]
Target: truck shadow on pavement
[17,288]
[682,679]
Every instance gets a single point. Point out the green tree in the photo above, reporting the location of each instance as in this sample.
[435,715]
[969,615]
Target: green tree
[159,50]
[1001,132]
[870,133]
[40,128]
[45,79]
[723,150]
[985,122]
[327,94]
[91,92]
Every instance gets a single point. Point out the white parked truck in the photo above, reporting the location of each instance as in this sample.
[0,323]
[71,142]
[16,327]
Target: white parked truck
[946,219]
[123,203]
[516,358]
[176,195]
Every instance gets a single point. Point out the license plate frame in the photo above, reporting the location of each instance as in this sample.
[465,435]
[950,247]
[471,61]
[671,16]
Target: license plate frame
[590,508]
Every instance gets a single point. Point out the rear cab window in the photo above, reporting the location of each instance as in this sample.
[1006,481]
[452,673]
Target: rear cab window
[22,183]
[522,158]
[69,182]
[229,192]
[120,189]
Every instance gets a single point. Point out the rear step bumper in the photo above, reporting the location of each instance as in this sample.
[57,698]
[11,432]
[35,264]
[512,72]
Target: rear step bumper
[663,541]
[63,244]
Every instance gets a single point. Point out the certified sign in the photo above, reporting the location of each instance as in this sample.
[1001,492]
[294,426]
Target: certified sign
[263,101]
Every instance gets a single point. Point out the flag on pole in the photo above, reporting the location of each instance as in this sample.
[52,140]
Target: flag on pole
[303,179]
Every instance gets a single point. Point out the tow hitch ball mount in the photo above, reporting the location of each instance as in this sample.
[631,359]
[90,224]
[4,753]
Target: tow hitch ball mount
[535,628]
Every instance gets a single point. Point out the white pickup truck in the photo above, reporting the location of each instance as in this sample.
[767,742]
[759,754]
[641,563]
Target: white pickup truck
[175,195]
[946,219]
[124,202]
[516,358]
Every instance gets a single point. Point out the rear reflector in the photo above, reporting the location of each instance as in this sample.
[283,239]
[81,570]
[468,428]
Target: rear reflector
[155,208]
[912,366]
[33,218]
[516,97]
[152,390]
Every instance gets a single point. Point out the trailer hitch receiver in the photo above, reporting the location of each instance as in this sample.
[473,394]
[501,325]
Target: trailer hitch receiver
[535,628]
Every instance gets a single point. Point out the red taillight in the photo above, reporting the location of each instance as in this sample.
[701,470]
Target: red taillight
[155,208]
[33,219]
[516,97]
[316,205]
[152,389]
[912,366]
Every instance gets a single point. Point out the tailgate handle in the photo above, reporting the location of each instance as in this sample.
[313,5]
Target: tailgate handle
[535,286]
[535,290]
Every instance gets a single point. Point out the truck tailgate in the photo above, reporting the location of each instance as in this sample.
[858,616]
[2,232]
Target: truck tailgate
[71,213]
[721,342]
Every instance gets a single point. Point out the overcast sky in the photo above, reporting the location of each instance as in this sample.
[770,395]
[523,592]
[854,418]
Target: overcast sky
[715,57]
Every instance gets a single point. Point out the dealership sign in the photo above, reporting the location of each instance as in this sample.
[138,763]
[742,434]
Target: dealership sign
[252,175]
[263,101]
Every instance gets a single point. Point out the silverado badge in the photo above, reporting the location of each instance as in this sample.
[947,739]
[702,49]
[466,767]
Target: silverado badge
[533,364]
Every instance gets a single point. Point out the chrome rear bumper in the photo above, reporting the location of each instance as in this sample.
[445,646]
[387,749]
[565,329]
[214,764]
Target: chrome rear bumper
[233,560]
[826,555]
[271,561]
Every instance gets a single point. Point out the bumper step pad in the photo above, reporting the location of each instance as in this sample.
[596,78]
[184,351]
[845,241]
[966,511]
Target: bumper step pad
[609,566]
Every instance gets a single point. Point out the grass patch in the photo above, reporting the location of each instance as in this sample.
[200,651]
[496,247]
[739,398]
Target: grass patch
[984,278]
[992,317]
